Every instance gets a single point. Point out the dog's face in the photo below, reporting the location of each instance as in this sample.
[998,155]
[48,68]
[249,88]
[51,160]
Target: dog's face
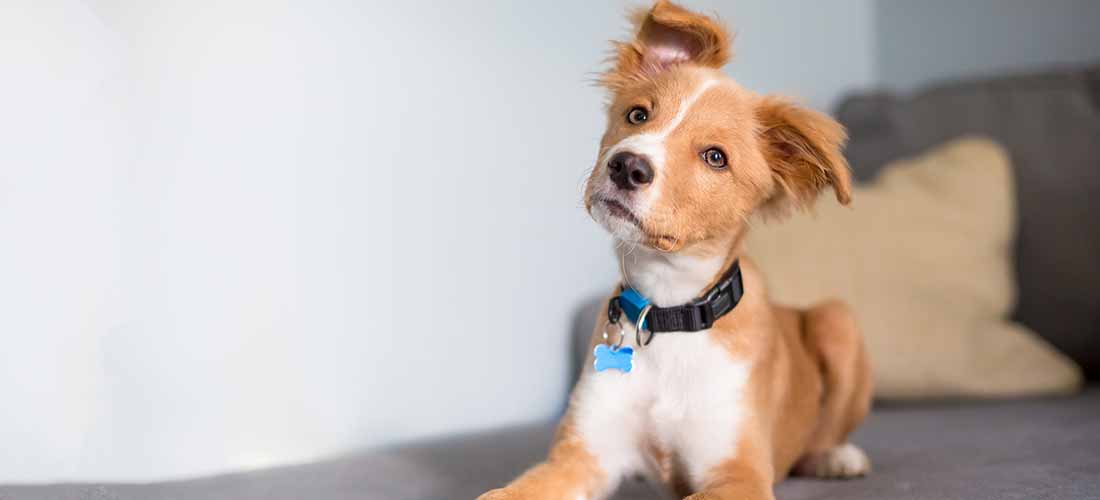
[689,155]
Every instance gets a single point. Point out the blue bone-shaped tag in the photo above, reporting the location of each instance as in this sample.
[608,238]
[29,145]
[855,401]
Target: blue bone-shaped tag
[614,358]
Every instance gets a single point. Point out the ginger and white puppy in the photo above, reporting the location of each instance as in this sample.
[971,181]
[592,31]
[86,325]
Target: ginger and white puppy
[723,413]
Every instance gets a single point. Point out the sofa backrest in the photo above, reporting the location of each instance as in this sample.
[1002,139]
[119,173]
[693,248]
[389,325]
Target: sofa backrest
[1050,124]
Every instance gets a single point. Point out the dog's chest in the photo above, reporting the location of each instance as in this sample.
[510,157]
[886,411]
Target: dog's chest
[681,404]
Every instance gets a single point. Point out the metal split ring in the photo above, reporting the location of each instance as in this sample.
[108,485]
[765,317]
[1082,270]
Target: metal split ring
[638,328]
[607,338]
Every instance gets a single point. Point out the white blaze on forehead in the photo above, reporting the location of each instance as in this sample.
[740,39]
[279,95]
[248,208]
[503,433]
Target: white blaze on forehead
[686,106]
[652,144]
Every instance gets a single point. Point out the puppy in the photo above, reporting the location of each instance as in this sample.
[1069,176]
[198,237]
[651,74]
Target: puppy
[720,393]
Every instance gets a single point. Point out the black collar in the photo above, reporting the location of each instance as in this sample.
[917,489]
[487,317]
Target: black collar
[699,314]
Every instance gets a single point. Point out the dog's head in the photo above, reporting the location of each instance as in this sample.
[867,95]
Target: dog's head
[688,154]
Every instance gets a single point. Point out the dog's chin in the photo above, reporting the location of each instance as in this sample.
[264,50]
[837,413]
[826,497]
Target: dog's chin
[618,227]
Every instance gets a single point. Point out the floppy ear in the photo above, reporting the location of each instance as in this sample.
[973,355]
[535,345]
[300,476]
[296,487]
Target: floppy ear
[803,149]
[667,35]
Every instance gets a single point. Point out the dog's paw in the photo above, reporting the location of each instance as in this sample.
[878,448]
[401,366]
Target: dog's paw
[841,462]
[708,496]
[499,494]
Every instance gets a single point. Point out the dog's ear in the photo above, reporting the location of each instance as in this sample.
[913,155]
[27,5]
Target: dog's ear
[803,149]
[667,35]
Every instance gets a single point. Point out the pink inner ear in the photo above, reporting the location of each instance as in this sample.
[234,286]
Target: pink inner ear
[666,56]
[665,46]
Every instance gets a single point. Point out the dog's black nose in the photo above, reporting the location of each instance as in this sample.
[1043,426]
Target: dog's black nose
[629,171]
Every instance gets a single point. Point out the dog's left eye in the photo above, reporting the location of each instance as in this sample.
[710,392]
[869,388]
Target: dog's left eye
[715,158]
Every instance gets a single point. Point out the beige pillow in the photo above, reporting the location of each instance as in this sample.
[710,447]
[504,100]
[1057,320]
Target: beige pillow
[924,256]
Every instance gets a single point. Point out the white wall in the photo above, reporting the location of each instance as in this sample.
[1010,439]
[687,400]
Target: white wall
[239,233]
[917,43]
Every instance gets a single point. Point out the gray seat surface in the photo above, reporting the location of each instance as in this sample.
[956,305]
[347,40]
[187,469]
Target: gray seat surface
[1035,449]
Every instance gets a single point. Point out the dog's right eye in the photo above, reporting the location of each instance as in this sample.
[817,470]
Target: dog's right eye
[715,158]
[637,115]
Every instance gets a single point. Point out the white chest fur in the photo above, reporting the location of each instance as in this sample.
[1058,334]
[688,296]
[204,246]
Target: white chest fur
[683,398]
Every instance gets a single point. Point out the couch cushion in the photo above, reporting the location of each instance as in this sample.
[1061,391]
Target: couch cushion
[1050,124]
[923,257]
[1025,450]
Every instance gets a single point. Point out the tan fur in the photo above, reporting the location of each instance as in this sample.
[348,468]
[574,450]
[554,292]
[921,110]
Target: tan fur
[634,61]
[803,148]
[809,384]
[569,468]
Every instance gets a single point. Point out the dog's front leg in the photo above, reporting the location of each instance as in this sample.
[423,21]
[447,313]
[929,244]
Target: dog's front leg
[736,482]
[596,443]
[746,476]
[570,472]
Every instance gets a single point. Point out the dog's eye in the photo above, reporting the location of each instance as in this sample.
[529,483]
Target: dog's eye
[715,158]
[637,115]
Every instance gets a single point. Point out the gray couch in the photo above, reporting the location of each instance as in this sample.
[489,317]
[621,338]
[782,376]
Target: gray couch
[997,450]
[1025,450]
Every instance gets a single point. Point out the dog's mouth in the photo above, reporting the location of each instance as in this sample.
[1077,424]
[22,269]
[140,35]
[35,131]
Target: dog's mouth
[617,209]
[663,242]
